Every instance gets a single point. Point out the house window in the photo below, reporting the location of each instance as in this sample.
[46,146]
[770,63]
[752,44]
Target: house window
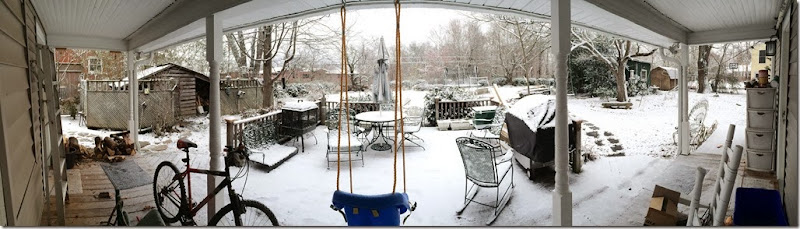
[762,56]
[95,65]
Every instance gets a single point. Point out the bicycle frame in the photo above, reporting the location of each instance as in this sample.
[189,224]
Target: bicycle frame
[192,210]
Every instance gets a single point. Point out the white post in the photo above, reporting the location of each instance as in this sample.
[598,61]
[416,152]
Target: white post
[560,30]
[133,90]
[683,101]
[213,55]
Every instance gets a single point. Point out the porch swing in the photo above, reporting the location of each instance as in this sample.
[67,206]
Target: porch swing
[370,210]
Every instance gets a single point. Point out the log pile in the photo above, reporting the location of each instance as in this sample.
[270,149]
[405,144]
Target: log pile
[114,147]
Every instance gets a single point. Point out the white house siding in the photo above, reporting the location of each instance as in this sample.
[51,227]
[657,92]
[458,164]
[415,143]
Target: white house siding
[20,135]
[790,174]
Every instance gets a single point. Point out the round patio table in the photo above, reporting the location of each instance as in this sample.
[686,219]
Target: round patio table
[378,119]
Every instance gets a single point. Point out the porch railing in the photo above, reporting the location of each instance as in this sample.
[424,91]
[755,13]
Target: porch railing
[235,127]
[458,109]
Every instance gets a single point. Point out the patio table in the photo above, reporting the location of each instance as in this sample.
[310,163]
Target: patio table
[379,119]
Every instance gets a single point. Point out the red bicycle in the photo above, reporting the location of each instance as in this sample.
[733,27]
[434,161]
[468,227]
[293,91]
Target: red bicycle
[174,205]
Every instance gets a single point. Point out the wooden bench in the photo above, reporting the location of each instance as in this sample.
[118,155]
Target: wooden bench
[617,105]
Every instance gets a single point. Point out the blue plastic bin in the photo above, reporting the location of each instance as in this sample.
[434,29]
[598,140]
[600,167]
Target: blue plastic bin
[758,207]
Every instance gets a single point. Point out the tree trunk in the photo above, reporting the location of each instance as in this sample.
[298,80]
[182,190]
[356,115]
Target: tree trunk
[267,97]
[702,67]
[622,93]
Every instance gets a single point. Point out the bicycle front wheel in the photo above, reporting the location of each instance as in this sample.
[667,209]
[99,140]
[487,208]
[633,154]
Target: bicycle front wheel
[169,193]
[255,214]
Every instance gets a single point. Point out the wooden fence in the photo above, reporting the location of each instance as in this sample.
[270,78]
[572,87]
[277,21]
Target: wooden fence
[458,109]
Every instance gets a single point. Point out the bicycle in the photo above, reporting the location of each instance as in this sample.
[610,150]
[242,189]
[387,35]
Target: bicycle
[173,204]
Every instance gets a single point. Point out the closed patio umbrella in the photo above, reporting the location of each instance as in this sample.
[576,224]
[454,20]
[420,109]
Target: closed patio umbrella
[380,86]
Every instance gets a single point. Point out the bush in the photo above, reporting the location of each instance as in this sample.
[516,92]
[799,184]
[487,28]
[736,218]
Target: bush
[519,81]
[500,81]
[71,106]
[445,93]
[637,86]
[483,83]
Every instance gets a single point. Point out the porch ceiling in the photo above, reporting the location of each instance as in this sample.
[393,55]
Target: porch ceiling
[147,25]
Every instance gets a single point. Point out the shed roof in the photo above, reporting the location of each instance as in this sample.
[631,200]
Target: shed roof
[672,72]
[152,71]
[147,25]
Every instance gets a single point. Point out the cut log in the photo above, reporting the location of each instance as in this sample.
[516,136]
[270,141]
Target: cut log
[617,105]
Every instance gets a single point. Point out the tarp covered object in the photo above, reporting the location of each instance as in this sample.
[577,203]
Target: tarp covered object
[531,128]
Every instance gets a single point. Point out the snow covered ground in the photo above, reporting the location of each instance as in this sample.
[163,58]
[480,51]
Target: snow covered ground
[610,191]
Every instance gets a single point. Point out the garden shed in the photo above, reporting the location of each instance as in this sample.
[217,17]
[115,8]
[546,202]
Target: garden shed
[665,78]
[638,68]
[191,90]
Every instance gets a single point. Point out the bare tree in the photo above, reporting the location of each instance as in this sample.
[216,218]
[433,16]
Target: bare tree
[617,63]
[702,67]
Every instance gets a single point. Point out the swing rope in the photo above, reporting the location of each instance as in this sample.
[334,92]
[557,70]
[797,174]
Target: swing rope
[343,86]
[398,91]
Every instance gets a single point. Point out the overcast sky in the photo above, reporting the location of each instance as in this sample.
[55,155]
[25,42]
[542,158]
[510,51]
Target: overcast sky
[415,23]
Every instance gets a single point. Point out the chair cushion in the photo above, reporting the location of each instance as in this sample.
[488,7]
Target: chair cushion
[354,142]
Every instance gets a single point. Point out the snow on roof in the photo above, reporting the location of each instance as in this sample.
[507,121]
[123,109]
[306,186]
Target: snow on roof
[673,72]
[151,70]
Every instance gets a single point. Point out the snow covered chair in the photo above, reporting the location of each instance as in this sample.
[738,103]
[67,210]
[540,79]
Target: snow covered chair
[484,170]
[723,187]
[356,144]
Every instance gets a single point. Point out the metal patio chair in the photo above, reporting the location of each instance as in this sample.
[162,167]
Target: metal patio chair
[484,170]
[356,146]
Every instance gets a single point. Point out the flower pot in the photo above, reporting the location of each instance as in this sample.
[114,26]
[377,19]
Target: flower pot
[763,77]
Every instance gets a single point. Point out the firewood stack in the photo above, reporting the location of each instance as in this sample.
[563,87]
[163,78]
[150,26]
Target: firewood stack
[114,147]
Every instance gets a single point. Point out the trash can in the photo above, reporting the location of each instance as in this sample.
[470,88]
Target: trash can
[758,207]
[483,115]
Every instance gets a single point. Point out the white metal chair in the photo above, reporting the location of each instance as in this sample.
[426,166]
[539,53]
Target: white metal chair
[484,170]
[337,144]
[723,187]
[412,123]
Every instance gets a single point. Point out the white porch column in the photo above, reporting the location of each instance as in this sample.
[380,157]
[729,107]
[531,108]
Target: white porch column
[683,100]
[213,55]
[133,90]
[560,30]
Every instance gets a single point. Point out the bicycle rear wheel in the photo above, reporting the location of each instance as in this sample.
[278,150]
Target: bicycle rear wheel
[169,194]
[255,214]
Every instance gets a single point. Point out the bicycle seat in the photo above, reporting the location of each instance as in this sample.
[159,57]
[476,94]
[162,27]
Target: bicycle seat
[185,144]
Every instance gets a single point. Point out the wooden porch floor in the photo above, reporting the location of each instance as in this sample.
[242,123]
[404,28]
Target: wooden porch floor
[85,207]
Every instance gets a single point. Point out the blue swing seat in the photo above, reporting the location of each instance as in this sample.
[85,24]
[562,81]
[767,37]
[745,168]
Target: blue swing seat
[371,210]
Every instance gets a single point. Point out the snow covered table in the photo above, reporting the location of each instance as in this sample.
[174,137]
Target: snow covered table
[379,119]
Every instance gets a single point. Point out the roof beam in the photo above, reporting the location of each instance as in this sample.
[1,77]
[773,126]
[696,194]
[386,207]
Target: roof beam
[72,41]
[743,33]
[175,16]
[645,16]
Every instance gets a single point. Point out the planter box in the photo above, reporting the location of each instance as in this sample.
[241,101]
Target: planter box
[454,124]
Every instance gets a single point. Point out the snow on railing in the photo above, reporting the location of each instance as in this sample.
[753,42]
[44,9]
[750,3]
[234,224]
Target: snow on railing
[458,109]
[236,127]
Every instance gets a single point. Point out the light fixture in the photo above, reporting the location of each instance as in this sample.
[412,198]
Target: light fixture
[771,46]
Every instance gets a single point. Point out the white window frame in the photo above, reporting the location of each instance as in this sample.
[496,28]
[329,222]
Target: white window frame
[89,65]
